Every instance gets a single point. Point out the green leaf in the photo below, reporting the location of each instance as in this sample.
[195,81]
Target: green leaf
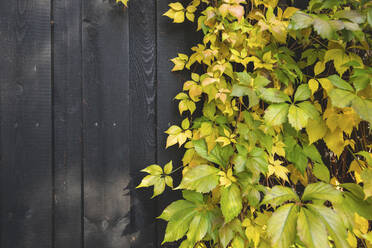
[342,98]
[369,16]
[281,226]
[198,228]
[309,109]
[363,108]
[257,160]
[367,181]
[175,207]
[354,201]
[321,172]
[179,224]
[273,95]
[297,117]
[352,15]
[367,156]
[333,222]
[302,93]
[201,178]
[193,196]
[300,20]
[219,155]
[321,191]
[278,195]
[240,90]
[231,202]
[261,81]
[312,152]
[276,114]
[311,230]
[340,83]
[244,77]
[238,242]
[226,234]
[324,28]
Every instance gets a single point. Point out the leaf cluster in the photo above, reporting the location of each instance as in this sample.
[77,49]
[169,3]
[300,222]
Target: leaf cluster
[280,155]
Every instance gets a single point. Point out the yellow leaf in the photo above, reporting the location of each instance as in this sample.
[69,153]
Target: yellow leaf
[355,167]
[237,11]
[361,224]
[173,130]
[168,167]
[319,68]
[278,148]
[335,141]
[253,234]
[288,12]
[223,140]
[182,106]
[179,17]
[169,181]
[339,58]
[279,171]
[190,16]
[316,129]
[170,13]
[176,6]
[125,2]
[195,92]
[351,239]
[296,175]
[181,138]
[313,85]
[326,84]
[171,140]
[185,123]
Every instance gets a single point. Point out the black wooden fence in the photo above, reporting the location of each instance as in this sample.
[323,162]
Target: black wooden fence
[86,93]
[85,96]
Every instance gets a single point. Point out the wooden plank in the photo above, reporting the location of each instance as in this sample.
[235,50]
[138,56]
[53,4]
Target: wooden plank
[67,124]
[26,126]
[171,39]
[105,110]
[142,119]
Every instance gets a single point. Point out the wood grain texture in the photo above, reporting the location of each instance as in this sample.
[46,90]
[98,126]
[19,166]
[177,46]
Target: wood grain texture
[171,39]
[26,125]
[106,125]
[142,67]
[67,92]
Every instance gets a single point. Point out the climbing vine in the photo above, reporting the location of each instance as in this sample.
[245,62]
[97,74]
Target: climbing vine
[279,154]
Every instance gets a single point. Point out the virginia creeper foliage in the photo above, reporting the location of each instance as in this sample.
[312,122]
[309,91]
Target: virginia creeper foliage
[280,152]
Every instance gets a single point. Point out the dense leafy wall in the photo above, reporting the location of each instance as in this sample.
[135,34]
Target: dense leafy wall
[276,126]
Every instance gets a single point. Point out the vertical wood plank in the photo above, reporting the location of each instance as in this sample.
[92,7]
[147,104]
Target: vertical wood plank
[26,125]
[142,119]
[171,39]
[105,110]
[67,123]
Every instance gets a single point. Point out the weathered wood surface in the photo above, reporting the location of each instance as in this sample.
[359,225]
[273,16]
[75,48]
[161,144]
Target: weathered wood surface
[26,124]
[67,117]
[86,93]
